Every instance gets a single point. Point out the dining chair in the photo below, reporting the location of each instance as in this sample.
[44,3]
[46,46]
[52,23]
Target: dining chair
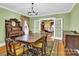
[15,49]
[40,45]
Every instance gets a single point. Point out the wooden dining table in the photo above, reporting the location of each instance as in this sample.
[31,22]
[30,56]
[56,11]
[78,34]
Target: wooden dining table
[30,38]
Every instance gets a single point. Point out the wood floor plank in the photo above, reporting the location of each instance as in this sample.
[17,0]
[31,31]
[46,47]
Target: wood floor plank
[2,50]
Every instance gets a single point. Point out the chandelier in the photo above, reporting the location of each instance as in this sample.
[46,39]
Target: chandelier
[32,12]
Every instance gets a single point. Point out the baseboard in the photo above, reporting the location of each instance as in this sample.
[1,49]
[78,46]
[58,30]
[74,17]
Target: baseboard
[2,44]
[58,38]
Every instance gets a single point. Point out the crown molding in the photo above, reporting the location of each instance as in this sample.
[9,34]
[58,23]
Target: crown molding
[40,15]
[51,14]
[11,10]
[72,7]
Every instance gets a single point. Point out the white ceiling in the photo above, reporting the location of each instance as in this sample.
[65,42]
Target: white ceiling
[43,8]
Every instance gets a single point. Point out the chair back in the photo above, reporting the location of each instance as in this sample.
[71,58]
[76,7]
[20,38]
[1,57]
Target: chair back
[10,33]
[13,31]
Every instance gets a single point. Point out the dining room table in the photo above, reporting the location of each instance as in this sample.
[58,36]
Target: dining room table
[29,39]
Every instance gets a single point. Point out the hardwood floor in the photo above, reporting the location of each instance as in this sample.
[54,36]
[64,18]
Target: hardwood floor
[2,50]
[60,48]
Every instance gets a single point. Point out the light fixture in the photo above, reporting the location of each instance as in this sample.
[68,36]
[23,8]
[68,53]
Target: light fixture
[32,12]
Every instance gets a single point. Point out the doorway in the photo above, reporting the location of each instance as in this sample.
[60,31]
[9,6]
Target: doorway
[47,26]
[44,24]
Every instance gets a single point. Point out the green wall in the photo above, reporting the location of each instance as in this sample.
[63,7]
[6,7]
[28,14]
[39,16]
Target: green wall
[74,25]
[65,16]
[71,20]
[5,14]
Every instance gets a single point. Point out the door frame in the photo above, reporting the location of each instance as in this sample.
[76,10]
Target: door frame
[53,18]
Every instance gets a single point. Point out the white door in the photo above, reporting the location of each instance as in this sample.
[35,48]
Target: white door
[58,28]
